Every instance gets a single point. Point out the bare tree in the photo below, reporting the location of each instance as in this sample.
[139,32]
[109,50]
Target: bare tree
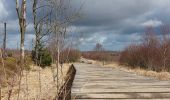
[165,48]
[21,11]
[58,41]
[100,52]
[151,43]
[62,17]
[40,20]
[98,47]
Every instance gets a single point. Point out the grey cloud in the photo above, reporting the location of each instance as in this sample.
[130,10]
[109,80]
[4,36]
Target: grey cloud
[113,22]
[125,18]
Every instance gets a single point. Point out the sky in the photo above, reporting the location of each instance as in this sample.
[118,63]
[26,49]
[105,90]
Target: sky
[113,23]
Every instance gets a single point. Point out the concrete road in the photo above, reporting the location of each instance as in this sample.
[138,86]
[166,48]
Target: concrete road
[93,82]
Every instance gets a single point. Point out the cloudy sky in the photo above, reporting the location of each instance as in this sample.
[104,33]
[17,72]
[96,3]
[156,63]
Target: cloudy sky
[113,23]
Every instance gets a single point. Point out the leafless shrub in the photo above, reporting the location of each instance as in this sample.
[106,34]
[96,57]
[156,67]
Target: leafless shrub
[152,53]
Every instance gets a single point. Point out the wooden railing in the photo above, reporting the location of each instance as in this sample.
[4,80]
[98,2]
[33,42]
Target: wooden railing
[65,90]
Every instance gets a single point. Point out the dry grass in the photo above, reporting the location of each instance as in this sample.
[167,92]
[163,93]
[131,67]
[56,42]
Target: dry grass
[158,75]
[48,86]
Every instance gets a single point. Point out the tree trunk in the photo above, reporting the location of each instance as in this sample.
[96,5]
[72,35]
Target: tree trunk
[21,11]
[23,30]
[36,30]
[58,60]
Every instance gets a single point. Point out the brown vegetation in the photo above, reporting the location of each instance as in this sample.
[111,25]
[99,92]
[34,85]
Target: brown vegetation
[107,56]
[100,54]
[70,55]
[153,53]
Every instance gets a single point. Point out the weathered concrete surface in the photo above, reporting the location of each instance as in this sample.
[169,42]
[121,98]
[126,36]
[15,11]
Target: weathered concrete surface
[99,83]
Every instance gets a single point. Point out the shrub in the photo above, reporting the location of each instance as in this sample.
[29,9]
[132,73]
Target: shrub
[44,58]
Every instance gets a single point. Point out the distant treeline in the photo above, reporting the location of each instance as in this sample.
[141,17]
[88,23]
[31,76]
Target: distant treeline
[101,55]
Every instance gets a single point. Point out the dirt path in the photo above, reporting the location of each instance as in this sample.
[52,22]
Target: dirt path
[99,83]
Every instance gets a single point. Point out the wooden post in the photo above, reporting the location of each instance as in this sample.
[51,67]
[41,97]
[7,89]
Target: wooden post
[4,42]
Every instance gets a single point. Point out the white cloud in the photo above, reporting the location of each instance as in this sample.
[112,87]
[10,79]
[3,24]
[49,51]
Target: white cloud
[95,38]
[153,23]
